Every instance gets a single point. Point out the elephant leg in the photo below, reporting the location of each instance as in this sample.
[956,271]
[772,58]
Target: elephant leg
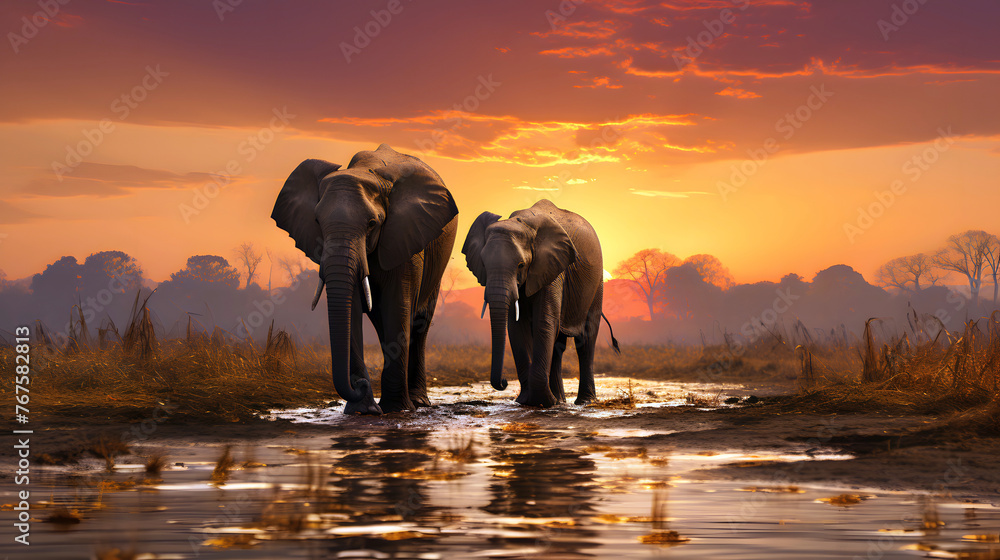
[520,347]
[435,260]
[585,347]
[396,316]
[555,370]
[417,375]
[586,344]
[358,368]
[546,311]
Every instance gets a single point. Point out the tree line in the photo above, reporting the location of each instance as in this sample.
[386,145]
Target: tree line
[669,285]
[685,298]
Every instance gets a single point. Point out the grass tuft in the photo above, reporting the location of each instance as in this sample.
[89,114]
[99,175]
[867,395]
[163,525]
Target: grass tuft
[223,466]
[155,463]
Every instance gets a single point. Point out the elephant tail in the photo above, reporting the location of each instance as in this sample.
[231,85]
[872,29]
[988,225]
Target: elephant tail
[614,341]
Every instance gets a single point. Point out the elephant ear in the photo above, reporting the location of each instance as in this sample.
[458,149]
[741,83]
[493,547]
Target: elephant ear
[474,243]
[418,209]
[295,209]
[553,252]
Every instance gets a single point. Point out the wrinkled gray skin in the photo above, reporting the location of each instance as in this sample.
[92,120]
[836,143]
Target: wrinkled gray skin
[386,217]
[549,261]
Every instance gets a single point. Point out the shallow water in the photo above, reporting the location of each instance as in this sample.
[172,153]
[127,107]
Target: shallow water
[475,478]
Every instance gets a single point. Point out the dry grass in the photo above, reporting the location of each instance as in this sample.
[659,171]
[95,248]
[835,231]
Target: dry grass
[624,399]
[661,534]
[155,463]
[460,449]
[223,466]
[107,448]
[209,382]
[458,365]
[63,516]
[845,500]
[116,554]
[951,373]
[702,401]
[519,427]
[137,377]
[143,378]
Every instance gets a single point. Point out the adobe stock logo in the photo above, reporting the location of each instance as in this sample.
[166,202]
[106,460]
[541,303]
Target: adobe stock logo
[30,26]
[714,28]
[787,126]
[914,168]
[899,17]
[122,106]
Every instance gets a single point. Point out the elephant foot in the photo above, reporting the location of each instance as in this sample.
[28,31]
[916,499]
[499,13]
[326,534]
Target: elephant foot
[545,401]
[396,405]
[365,406]
[583,400]
[421,401]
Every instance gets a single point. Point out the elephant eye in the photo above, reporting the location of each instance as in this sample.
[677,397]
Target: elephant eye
[371,224]
[520,266]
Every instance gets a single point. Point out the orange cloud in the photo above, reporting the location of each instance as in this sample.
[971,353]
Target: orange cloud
[738,93]
[815,66]
[464,136]
[583,30]
[579,52]
[600,82]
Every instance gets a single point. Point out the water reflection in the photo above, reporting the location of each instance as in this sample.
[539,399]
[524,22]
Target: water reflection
[380,476]
[380,483]
[496,487]
[541,491]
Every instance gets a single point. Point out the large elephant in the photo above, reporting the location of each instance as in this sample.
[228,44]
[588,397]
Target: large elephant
[544,278]
[386,217]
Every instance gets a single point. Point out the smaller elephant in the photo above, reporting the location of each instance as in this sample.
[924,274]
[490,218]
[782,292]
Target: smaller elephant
[544,278]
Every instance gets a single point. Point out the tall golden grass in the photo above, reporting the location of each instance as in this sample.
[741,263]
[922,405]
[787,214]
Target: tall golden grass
[137,376]
[945,372]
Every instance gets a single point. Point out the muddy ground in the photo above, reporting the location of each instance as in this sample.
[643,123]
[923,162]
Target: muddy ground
[887,452]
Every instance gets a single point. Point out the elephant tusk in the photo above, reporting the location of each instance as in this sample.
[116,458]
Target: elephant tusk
[483,312]
[368,292]
[319,291]
[517,312]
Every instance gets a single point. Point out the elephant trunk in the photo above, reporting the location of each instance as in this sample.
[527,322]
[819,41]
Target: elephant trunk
[341,276]
[498,326]
[499,297]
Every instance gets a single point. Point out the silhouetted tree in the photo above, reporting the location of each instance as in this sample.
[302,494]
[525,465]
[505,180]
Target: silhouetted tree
[208,269]
[250,258]
[993,261]
[453,276]
[294,265]
[645,271]
[106,265]
[966,253]
[61,278]
[840,294]
[689,295]
[906,273]
[711,270]
[794,281]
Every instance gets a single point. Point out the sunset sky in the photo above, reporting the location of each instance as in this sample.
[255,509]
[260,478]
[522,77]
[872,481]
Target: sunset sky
[610,109]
